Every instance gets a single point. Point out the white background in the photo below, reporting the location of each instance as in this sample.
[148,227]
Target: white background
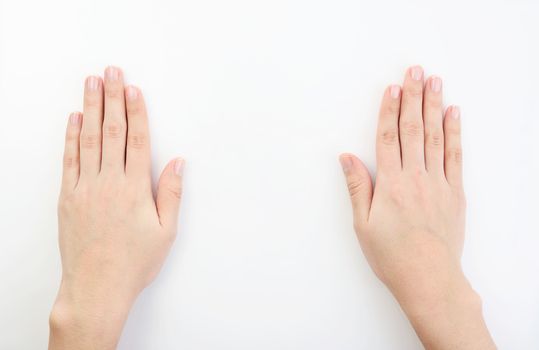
[260,97]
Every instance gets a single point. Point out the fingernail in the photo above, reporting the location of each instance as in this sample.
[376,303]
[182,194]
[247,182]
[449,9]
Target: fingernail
[178,167]
[74,118]
[132,93]
[112,73]
[416,73]
[92,83]
[436,84]
[455,112]
[346,163]
[395,91]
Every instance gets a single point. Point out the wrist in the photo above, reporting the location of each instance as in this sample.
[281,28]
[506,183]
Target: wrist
[88,319]
[449,313]
[438,295]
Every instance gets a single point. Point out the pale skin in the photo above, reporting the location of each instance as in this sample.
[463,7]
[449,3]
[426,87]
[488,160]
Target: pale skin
[114,236]
[410,224]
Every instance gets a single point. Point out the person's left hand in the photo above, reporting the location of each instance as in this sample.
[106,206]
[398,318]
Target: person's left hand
[113,235]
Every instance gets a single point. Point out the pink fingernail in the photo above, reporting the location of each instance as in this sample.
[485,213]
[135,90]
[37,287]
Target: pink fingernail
[112,73]
[416,73]
[74,118]
[436,84]
[346,163]
[132,93]
[395,91]
[92,83]
[455,112]
[178,167]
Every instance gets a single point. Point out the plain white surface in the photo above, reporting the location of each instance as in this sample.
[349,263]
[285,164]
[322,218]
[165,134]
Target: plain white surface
[260,97]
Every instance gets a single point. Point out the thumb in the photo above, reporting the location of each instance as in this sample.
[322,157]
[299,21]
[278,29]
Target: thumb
[359,184]
[169,193]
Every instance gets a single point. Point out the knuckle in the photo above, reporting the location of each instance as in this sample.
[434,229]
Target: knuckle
[175,191]
[397,195]
[453,130]
[68,201]
[414,91]
[412,128]
[463,201]
[72,136]
[170,236]
[434,139]
[433,102]
[113,130]
[397,198]
[71,161]
[133,109]
[113,92]
[356,186]
[133,198]
[390,137]
[90,141]
[92,101]
[392,108]
[63,204]
[454,155]
[110,188]
[460,198]
[137,141]
[358,227]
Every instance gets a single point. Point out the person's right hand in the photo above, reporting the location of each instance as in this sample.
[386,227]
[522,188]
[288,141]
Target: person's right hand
[411,225]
